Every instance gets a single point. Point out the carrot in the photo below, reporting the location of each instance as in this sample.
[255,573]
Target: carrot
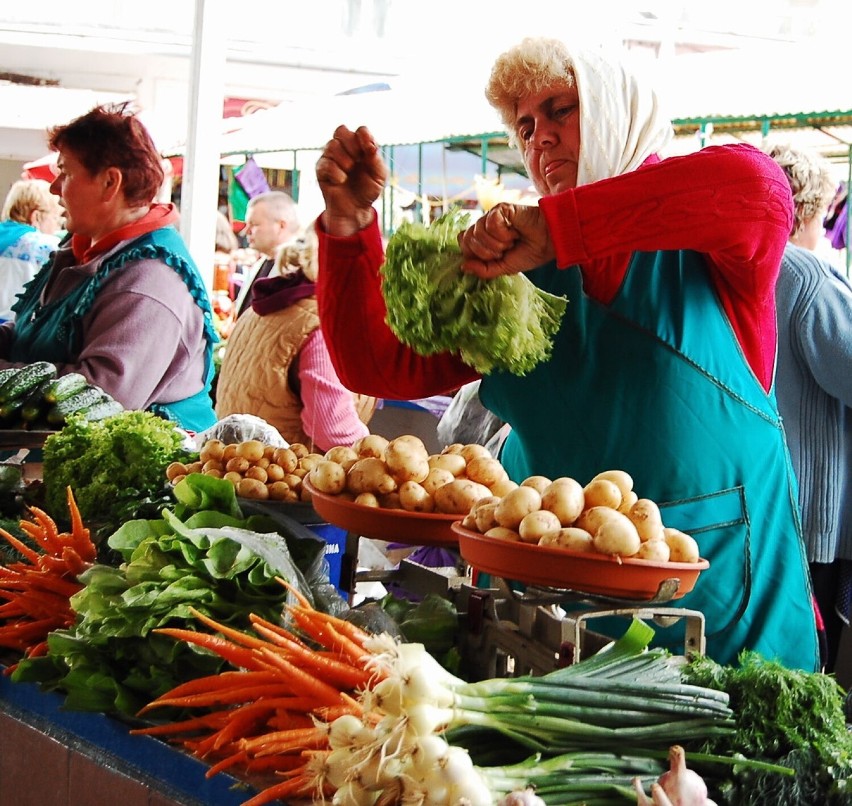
[295,786]
[301,680]
[300,597]
[221,680]
[213,720]
[19,546]
[326,635]
[222,697]
[344,675]
[81,539]
[237,655]
[245,639]
[283,740]
[49,534]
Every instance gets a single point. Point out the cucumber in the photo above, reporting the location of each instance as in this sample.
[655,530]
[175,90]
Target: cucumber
[25,380]
[57,413]
[7,373]
[34,404]
[65,386]
[102,410]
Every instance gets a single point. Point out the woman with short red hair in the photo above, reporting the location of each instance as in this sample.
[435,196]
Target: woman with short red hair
[122,302]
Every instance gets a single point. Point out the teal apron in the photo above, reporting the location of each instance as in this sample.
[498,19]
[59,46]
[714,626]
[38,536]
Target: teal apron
[655,384]
[52,332]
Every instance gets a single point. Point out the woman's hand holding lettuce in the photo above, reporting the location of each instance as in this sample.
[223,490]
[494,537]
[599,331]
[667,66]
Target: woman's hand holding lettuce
[504,324]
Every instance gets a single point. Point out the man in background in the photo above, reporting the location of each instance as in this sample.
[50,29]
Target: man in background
[271,221]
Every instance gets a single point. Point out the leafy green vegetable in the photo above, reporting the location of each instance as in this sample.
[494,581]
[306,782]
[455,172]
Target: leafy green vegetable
[109,464]
[794,718]
[214,560]
[504,324]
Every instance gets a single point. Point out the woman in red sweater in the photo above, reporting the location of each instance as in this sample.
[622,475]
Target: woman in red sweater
[664,362]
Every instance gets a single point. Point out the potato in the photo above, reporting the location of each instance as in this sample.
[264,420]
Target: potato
[263,461]
[621,479]
[279,490]
[437,477]
[274,472]
[469,522]
[483,514]
[366,500]
[342,455]
[540,483]
[455,447]
[239,464]
[371,445]
[602,493]
[645,515]
[178,478]
[292,480]
[485,470]
[414,498]
[502,533]
[370,475]
[537,523]
[194,467]
[234,477]
[411,440]
[212,449]
[229,452]
[627,501]
[257,472]
[299,449]
[617,536]
[213,472]
[390,500]
[175,469]
[516,505]
[251,449]
[564,498]
[683,547]
[309,461]
[503,487]
[252,488]
[459,496]
[656,550]
[328,477]
[569,538]
[286,458]
[592,518]
[473,451]
[451,462]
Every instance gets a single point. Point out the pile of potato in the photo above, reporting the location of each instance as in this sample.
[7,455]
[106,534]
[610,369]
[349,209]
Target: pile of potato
[401,474]
[257,471]
[605,516]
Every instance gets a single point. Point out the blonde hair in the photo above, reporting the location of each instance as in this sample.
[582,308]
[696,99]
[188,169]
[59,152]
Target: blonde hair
[810,180]
[25,197]
[528,68]
[300,254]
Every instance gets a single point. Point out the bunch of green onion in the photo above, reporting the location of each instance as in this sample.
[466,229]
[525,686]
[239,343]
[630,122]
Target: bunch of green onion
[586,730]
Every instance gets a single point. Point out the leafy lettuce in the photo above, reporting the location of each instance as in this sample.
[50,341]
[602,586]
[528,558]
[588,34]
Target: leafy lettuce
[504,324]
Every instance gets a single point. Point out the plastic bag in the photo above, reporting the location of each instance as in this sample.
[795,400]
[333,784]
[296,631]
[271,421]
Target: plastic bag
[240,428]
[466,420]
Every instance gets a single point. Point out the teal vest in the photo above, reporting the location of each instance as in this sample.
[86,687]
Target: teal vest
[52,332]
[655,383]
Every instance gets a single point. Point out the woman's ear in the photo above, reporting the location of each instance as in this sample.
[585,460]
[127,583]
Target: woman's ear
[112,182]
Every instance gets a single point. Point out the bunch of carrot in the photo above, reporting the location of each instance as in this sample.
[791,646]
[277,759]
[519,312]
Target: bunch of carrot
[272,713]
[36,590]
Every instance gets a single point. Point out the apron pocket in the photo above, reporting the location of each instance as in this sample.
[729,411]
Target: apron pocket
[719,523]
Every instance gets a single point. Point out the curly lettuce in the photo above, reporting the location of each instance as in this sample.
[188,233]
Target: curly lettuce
[503,324]
[109,464]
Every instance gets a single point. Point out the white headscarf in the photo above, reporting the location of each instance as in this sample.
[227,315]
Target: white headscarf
[622,122]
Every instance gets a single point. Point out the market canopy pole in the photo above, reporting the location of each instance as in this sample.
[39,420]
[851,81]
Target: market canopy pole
[200,190]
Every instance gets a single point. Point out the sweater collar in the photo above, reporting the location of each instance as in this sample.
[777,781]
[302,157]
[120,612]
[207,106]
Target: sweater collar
[159,216]
[272,294]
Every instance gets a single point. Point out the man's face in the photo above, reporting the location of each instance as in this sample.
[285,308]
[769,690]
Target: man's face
[265,233]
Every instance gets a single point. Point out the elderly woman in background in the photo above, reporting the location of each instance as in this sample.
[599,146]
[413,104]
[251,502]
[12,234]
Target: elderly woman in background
[276,364]
[664,362]
[814,386]
[122,302]
[29,232]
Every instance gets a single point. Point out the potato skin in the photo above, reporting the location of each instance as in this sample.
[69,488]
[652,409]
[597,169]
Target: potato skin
[459,496]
